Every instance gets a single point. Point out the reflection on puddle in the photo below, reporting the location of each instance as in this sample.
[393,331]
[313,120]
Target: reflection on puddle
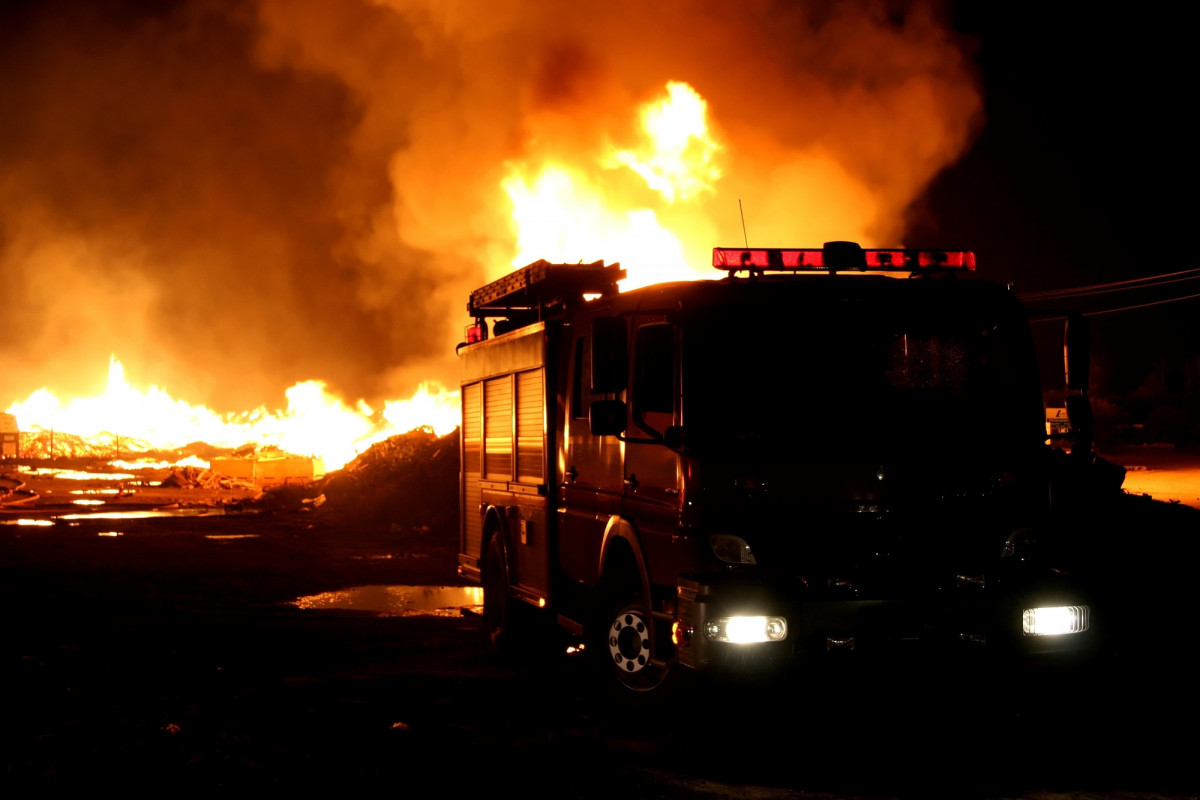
[224,536]
[399,601]
[150,513]
[146,513]
[75,475]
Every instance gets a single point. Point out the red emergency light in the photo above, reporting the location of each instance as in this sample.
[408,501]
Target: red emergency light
[475,333]
[840,257]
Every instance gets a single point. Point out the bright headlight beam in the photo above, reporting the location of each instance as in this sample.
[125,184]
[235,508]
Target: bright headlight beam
[746,629]
[1055,620]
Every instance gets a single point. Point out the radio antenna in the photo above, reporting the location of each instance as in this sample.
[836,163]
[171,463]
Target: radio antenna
[743,216]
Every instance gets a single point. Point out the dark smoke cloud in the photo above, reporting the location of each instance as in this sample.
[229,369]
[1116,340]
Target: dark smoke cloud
[232,198]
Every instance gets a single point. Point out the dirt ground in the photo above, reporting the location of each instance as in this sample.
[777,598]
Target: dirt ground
[167,654]
[1165,473]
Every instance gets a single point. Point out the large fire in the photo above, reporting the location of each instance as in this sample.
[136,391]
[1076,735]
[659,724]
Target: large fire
[129,420]
[579,212]
[412,151]
[564,214]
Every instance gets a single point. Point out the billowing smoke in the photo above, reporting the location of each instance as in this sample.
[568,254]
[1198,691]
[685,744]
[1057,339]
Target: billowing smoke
[231,201]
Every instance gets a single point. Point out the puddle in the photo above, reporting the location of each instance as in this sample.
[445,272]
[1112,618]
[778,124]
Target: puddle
[75,475]
[398,601]
[149,513]
[146,513]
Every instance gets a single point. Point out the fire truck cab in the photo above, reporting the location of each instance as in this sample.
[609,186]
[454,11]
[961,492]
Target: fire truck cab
[827,455]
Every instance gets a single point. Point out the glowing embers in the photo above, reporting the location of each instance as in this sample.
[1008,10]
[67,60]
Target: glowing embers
[1055,620]
[398,601]
[746,629]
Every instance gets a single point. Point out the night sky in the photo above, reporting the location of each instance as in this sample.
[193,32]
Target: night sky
[1083,173]
[231,201]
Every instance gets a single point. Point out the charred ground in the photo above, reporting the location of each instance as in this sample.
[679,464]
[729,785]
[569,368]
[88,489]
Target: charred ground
[171,657]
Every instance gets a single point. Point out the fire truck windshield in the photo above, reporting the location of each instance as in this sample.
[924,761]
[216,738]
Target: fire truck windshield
[857,381]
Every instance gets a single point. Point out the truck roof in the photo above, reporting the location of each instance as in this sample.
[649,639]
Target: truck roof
[808,292]
[838,272]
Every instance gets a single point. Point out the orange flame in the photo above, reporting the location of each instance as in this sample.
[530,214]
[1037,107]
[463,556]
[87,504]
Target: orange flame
[315,422]
[571,213]
[679,160]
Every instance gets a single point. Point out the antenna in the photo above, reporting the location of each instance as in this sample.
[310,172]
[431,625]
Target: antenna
[743,216]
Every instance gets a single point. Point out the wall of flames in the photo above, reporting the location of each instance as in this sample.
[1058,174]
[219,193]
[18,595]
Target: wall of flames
[125,421]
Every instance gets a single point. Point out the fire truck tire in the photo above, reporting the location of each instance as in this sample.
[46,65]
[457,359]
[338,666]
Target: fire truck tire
[501,611]
[621,648]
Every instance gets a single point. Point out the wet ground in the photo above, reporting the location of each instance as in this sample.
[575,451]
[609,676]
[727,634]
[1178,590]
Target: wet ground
[234,651]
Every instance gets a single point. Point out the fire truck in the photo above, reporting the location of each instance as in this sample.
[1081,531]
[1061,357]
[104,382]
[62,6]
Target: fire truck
[828,455]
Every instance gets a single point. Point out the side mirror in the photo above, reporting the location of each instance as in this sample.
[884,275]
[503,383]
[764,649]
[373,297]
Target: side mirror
[607,417]
[676,439]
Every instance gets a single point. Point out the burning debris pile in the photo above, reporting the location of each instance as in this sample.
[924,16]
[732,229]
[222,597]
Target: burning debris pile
[187,477]
[52,444]
[57,445]
[407,482]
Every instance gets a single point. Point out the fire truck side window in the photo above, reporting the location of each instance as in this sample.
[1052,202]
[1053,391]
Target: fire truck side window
[583,368]
[654,370]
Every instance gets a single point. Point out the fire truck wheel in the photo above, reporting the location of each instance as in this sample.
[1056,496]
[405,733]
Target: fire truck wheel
[499,608]
[623,652]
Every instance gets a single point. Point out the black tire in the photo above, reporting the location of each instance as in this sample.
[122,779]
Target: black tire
[620,646]
[512,626]
[498,603]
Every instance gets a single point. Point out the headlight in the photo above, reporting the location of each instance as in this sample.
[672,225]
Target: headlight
[733,549]
[746,630]
[1054,620]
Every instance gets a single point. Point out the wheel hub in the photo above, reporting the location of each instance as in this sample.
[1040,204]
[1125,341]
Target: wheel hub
[629,642]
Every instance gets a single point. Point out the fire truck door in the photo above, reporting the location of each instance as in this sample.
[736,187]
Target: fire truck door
[590,484]
[651,475]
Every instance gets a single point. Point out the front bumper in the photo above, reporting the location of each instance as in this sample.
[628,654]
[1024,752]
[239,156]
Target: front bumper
[825,627]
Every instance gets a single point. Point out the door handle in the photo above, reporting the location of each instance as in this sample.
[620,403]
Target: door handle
[631,483]
[571,474]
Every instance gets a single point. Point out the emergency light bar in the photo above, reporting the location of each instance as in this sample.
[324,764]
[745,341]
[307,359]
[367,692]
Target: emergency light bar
[839,257]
